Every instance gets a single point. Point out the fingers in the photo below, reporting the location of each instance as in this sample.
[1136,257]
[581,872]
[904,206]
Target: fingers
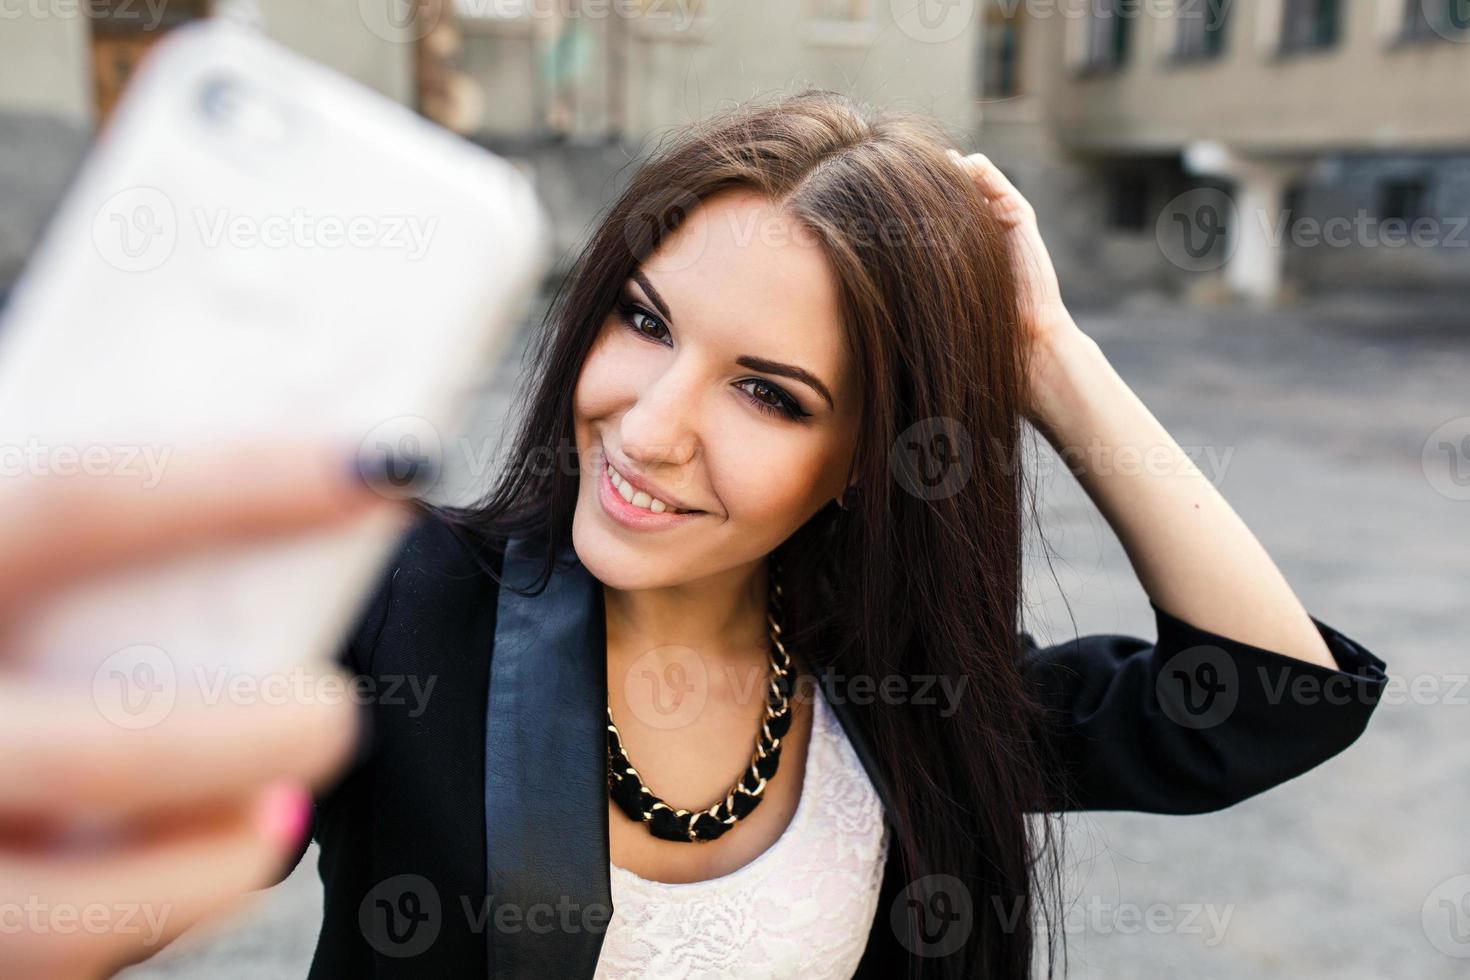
[994,185]
[78,763]
[56,528]
[985,173]
[88,914]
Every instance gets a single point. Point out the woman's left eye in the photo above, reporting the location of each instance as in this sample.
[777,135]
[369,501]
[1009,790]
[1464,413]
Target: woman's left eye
[640,321]
[771,398]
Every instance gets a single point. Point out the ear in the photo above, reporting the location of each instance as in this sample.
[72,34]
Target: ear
[848,500]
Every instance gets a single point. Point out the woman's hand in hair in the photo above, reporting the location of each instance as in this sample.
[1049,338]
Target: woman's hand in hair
[114,840]
[1193,554]
[1044,316]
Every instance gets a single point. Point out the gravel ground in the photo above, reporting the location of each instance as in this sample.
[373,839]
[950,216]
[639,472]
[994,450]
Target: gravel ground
[1317,419]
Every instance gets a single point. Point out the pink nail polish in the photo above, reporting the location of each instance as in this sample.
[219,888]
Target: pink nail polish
[285,813]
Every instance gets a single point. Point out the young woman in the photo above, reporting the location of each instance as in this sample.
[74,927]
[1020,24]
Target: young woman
[724,677]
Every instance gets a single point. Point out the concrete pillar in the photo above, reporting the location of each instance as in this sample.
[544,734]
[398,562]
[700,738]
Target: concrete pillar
[1258,243]
[1255,266]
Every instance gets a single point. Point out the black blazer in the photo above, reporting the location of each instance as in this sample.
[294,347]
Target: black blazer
[440,858]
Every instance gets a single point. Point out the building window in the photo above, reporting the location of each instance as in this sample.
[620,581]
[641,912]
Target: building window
[1000,55]
[1448,19]
[1293,199]
[843,23]
[1310,25]
[121,34]
[1106,39]
[1201,30]
[1128,195]
[1403,198]
[840,11]
[503,10]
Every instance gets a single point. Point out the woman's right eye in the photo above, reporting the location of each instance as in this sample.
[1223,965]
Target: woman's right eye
[641,321]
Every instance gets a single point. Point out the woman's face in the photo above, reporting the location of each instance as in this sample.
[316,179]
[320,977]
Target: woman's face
[721,394]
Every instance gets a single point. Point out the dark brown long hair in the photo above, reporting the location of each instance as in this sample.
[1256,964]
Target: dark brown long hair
[919,577]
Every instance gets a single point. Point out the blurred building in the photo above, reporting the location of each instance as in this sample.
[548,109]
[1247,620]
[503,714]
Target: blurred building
[1204,147]
[580,88]
[63,64]
[575,88]
[1255,147]
[615,68]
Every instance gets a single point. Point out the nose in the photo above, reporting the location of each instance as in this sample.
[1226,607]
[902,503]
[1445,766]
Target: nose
[659,428]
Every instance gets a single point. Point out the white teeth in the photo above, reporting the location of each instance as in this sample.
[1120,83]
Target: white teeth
[635,497]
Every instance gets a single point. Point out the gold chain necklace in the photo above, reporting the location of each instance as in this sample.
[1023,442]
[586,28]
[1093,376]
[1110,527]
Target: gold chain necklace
[626,787]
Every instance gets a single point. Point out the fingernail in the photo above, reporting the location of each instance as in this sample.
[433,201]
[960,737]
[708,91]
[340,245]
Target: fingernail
[285,813]
[394,473]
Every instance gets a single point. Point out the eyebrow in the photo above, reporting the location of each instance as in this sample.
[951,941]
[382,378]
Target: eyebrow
[746,360]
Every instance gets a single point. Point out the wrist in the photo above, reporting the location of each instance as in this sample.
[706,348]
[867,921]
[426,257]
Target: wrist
[1062,368]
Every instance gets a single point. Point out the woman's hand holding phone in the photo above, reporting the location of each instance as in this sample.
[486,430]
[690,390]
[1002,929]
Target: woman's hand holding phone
[114,840]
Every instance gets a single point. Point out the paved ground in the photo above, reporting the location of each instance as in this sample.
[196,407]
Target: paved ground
[1318,419]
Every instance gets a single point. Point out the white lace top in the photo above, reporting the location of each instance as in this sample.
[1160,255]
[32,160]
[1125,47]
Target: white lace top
[803,907]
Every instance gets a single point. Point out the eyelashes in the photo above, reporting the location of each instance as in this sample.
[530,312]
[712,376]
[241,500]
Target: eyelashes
[765,396]
[652,327]
[771,398]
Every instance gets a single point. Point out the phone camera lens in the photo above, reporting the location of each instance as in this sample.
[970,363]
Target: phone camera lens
[220,100]
[243,114]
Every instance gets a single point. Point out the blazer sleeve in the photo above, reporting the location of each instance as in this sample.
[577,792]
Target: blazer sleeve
[1193,722]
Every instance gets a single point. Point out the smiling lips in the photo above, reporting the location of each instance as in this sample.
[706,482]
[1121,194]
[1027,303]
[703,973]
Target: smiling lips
[635,509]
[637,497]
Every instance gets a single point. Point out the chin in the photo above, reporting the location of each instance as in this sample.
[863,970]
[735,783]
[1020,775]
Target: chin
[614,561]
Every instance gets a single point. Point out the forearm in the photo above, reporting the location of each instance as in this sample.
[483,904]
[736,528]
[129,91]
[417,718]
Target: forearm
[1192,553]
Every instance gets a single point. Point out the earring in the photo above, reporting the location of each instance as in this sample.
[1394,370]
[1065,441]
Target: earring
[849,499]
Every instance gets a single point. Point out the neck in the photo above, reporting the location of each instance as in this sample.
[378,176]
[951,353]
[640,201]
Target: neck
[723,616]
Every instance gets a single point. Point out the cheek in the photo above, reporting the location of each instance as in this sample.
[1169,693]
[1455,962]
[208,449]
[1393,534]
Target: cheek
[603,388]
[776,480]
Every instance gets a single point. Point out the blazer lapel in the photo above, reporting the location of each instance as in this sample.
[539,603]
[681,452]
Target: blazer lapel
[546,803]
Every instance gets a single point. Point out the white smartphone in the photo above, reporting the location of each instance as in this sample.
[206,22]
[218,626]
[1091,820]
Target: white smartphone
[257,246]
